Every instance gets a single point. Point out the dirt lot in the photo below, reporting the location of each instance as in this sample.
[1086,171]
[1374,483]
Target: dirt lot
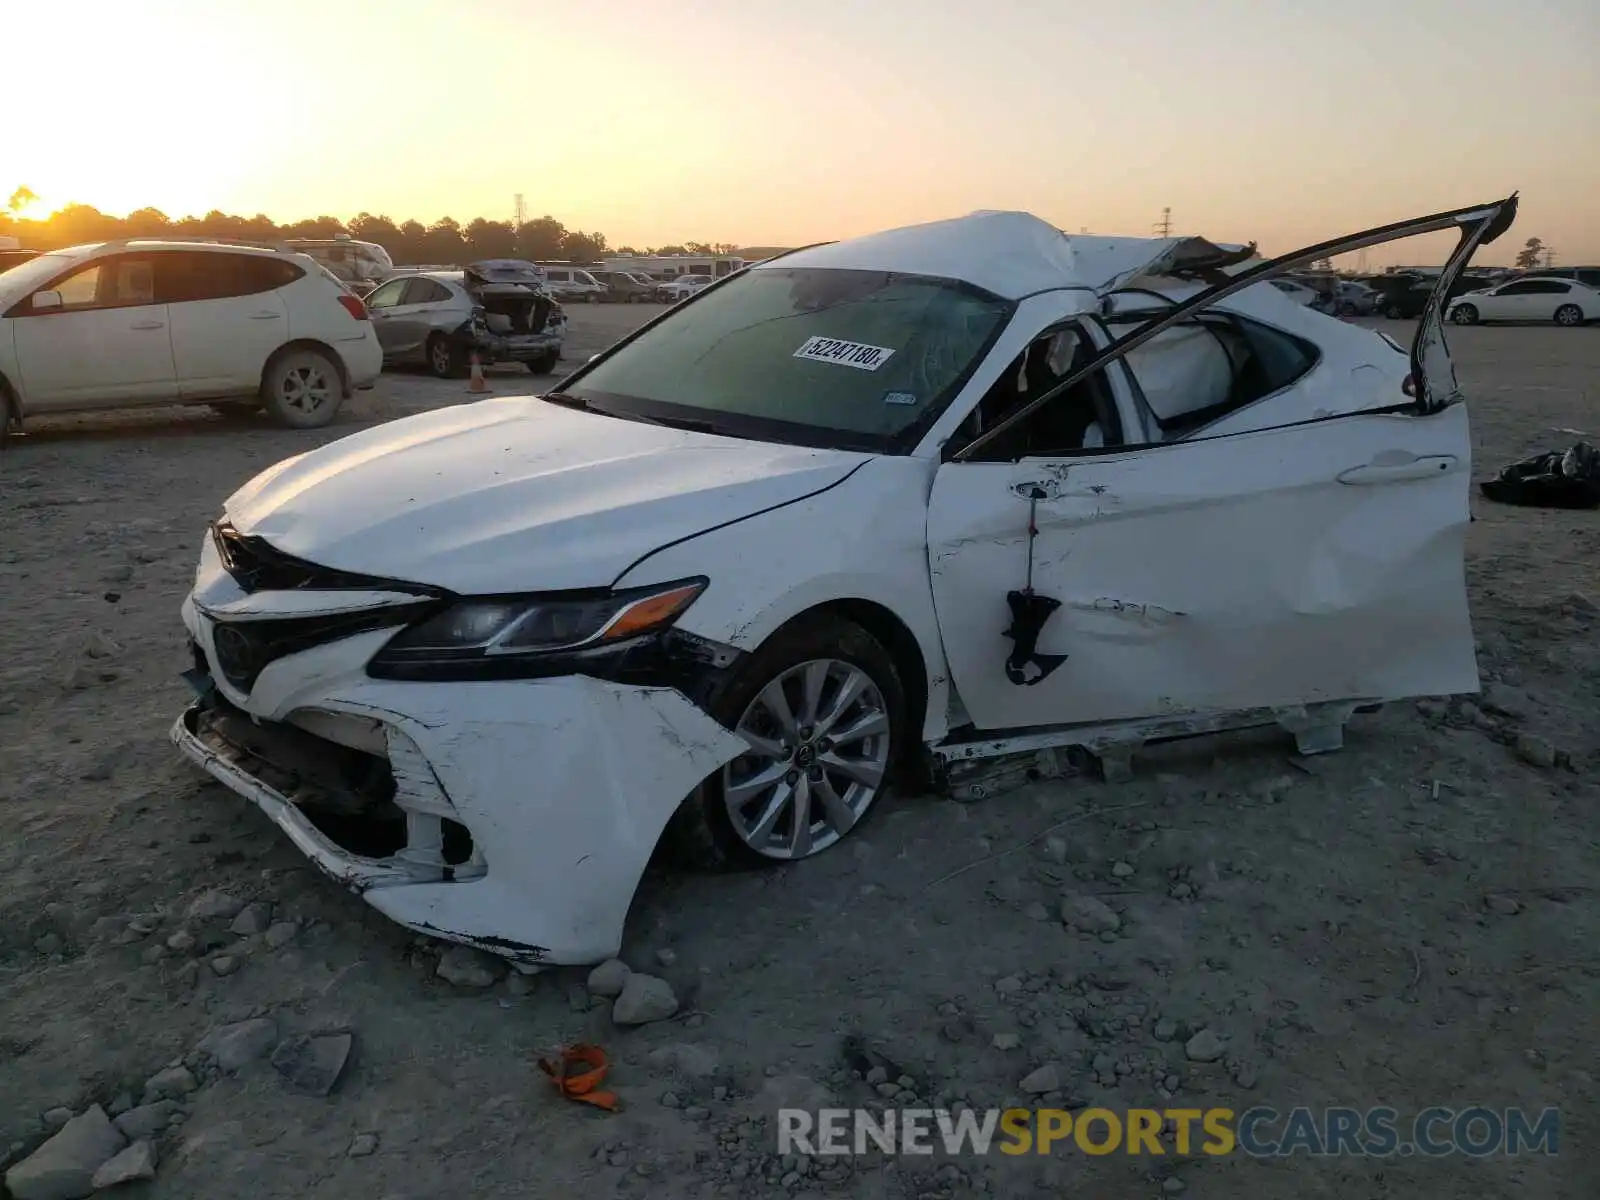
[1410,922]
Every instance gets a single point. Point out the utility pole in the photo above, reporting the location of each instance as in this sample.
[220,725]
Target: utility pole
[1164,226]
[1549,256]
[519,213]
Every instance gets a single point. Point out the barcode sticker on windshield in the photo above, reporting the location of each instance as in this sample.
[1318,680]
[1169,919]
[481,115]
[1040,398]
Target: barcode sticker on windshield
[846,354]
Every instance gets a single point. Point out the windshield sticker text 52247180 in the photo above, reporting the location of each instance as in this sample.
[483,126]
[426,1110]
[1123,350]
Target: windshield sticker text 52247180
[846,354]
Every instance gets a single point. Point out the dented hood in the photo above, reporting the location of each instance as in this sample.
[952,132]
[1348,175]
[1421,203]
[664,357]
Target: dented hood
[517,494]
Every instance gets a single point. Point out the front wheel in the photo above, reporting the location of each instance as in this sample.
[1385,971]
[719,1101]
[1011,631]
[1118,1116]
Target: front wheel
[823,711]
[545,364]
[302,389]
[1464,314]
[1569,315]
[1392,311]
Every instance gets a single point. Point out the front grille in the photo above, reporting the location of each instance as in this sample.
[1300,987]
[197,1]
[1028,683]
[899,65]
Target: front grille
[245,648]
[257,566]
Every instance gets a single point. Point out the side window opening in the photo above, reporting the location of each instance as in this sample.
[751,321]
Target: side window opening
[425,291]
[80,290]
[1202,370]
[388,295]
[1083,418]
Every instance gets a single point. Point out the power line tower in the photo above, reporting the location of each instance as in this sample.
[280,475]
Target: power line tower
[1163,227]
[519,212]
[1549,256]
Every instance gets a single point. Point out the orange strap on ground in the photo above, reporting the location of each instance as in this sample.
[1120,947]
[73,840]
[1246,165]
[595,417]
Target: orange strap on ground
[578,1073]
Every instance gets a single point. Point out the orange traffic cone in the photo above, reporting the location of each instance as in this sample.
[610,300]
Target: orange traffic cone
[476,383]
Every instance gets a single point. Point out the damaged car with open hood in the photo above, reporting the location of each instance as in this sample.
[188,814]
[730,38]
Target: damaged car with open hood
[498,309]
[867,513]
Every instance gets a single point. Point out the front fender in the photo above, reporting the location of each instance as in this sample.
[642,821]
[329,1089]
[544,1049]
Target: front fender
[865,539]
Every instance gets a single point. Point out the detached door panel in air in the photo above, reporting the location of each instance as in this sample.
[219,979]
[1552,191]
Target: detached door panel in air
[1286,566]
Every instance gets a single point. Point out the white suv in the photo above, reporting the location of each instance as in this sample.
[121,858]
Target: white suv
[134,322]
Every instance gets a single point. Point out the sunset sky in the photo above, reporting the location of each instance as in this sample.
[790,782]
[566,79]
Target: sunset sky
[765,122]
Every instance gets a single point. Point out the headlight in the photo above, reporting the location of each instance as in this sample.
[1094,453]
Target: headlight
[506,629]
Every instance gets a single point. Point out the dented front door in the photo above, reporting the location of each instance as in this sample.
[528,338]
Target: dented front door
[1311,562]
[1320,561]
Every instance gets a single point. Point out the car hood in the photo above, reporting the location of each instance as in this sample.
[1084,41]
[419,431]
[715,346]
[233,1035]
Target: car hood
[518,494]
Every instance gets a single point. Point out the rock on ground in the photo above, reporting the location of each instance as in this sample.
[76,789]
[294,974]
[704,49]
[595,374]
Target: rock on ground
[233,1046]
[147,1120]
[1089,914]
[1205,1046]
[252,918]
[138,1161]
[466,967]
[644,999]
[170,1084]
[312,1064]
[64,1167]
[1047,1078]
[609,978]
[215,905]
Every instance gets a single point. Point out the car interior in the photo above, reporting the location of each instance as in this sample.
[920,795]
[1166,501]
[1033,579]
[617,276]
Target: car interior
[1084,417]
[1187,377]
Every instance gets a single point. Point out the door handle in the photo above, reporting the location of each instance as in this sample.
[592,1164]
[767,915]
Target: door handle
[148,325]
[1418,468]
[265,316]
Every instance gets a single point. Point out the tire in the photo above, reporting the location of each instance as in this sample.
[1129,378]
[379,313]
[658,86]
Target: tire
[1392,311]
[703,833]
[10,420]
[302,389]
[545,364]
[1464,314]
[446,360]
[1569,315]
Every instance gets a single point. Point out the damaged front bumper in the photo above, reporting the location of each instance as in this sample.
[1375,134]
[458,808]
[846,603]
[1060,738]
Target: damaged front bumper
[515,817]
[518,348]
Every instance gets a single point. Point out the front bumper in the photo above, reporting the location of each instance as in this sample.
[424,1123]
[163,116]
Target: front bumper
[521,814]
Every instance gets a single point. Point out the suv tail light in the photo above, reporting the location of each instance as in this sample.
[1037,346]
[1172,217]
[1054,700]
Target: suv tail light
[353,305]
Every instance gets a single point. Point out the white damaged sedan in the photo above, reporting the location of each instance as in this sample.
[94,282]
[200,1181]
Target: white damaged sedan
[901,504]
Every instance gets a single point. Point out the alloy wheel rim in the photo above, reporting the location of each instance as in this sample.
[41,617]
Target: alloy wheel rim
[819,751]
[305,389]
[441,357]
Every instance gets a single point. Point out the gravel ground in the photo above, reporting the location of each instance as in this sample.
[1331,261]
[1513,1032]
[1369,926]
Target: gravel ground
[1409,922]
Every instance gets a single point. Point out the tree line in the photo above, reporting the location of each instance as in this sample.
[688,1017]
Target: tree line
[408,242]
